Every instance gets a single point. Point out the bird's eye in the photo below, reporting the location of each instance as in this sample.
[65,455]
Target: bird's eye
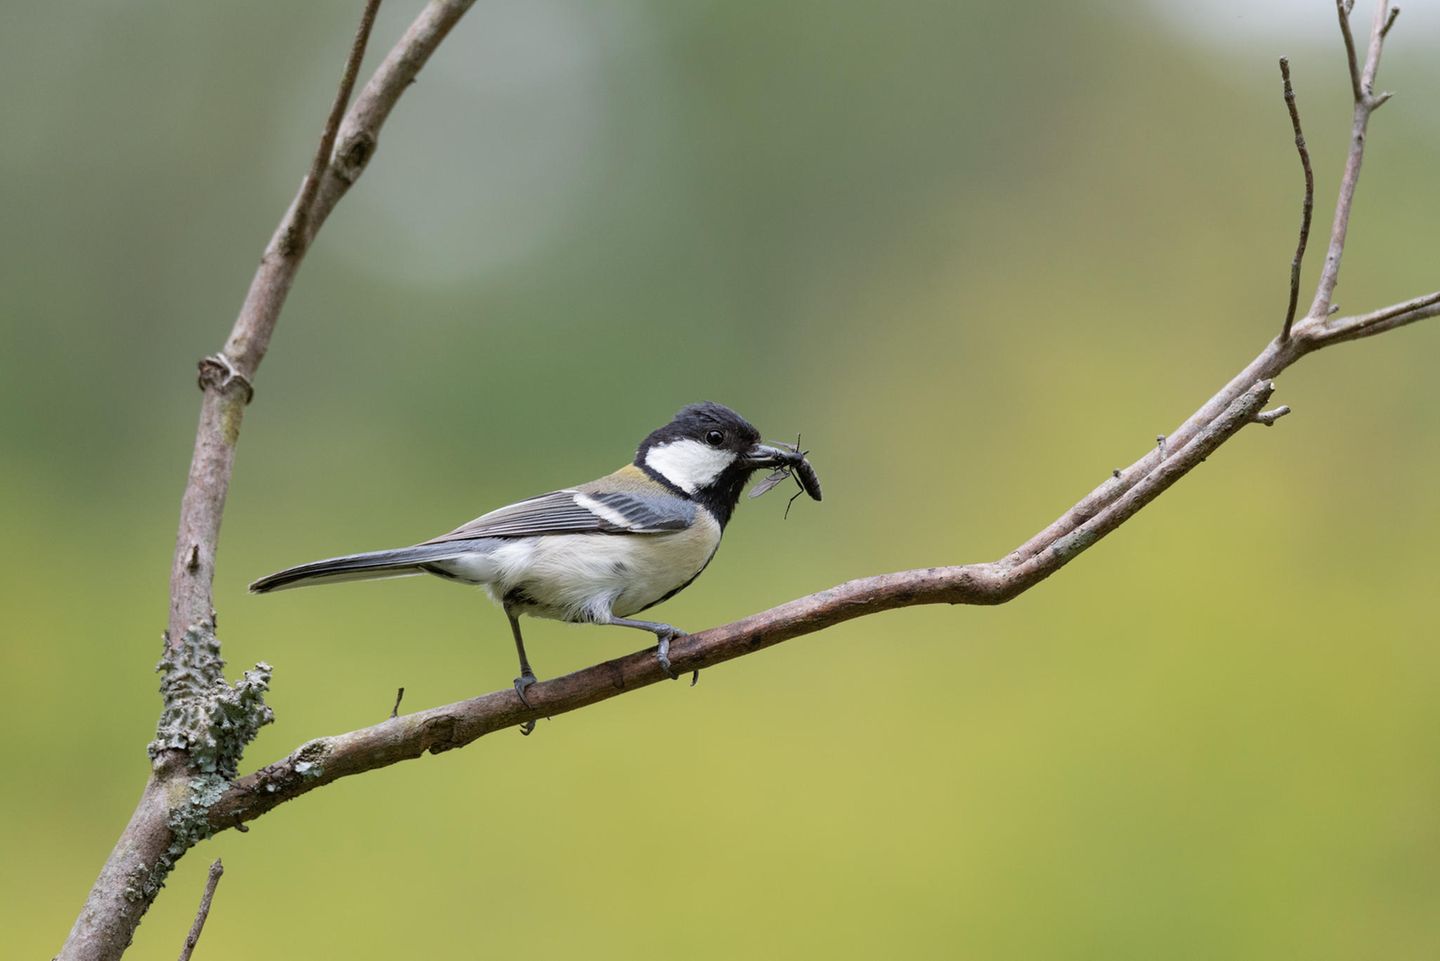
[715,438]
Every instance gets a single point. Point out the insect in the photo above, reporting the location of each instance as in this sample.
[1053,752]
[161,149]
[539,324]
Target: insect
[799,468]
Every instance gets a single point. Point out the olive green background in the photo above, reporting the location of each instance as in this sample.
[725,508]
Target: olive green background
[979,253]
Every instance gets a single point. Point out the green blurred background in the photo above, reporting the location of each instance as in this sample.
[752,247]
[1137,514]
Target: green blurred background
[979,253]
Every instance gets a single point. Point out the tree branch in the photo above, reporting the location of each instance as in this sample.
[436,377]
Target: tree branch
[164,823]
[305,201]
[326,760]
[1366,102]
[203,912]
[1307,206]
[1343,8]
[1117,499]
[1340,329]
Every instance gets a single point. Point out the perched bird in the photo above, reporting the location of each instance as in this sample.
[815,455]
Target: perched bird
[596,553]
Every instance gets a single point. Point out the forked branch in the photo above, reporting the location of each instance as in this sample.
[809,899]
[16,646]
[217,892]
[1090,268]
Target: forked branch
[1362,83]
[164,823]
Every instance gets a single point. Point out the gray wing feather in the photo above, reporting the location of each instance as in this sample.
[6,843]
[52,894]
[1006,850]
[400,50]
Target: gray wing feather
[579,512]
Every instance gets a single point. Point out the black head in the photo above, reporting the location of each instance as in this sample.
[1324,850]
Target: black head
[707,453]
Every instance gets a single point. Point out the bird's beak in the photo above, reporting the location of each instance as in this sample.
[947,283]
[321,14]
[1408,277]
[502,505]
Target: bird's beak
[764,455]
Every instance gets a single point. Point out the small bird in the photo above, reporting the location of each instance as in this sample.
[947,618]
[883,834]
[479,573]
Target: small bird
[599,552]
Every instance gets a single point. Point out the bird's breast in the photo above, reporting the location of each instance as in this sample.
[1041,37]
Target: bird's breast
[588,577]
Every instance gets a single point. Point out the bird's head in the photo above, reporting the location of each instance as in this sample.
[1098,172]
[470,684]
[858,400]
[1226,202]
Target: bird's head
[708,452]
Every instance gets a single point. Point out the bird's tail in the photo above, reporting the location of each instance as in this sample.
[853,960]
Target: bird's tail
[400,562]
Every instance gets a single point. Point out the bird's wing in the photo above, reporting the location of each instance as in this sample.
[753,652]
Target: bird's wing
[579,512]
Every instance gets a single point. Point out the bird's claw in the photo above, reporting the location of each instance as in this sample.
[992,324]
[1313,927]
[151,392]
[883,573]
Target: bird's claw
[662,654]
[522,682]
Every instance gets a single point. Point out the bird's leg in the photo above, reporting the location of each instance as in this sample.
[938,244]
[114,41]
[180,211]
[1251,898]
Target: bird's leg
[527,676]
[664,633]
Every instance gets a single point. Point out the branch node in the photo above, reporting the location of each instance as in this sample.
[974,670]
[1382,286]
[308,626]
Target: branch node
[219,371]
[1160,444]
[1269,417]
[353,155]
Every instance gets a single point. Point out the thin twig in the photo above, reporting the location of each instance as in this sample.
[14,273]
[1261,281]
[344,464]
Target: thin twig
[1390,22]
[399,696]
[1366,103]
[203,912]
[1269,417]
[308,190]
[1307,207]
[1343,8]
[1379,321]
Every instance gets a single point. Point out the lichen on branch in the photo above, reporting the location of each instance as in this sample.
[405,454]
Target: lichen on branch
[208,718]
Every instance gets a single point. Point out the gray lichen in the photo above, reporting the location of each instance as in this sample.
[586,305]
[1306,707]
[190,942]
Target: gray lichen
[209,719]
[212,721]
[189,824]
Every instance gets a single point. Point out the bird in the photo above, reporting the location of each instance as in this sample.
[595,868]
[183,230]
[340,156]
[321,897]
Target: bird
[596,553]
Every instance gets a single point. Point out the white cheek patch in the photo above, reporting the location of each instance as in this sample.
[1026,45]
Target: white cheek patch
[688,464]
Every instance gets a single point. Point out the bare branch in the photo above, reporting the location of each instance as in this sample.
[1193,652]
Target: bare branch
[329,759]
[306,200]
[1390,22]
[1341,329]
[1343,8]
[203,912]
[222,410]
[1366,103]
[130,878]
[1307,206]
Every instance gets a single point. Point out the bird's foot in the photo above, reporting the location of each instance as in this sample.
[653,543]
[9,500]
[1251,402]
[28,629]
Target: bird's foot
[662,653]
[521,683]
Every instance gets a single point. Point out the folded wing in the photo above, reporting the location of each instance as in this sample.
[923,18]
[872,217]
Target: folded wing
[579,512]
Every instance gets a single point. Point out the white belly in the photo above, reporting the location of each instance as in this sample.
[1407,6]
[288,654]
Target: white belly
[589,577]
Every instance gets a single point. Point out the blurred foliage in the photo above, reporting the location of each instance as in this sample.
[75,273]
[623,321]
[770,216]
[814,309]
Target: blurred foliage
[978,253]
